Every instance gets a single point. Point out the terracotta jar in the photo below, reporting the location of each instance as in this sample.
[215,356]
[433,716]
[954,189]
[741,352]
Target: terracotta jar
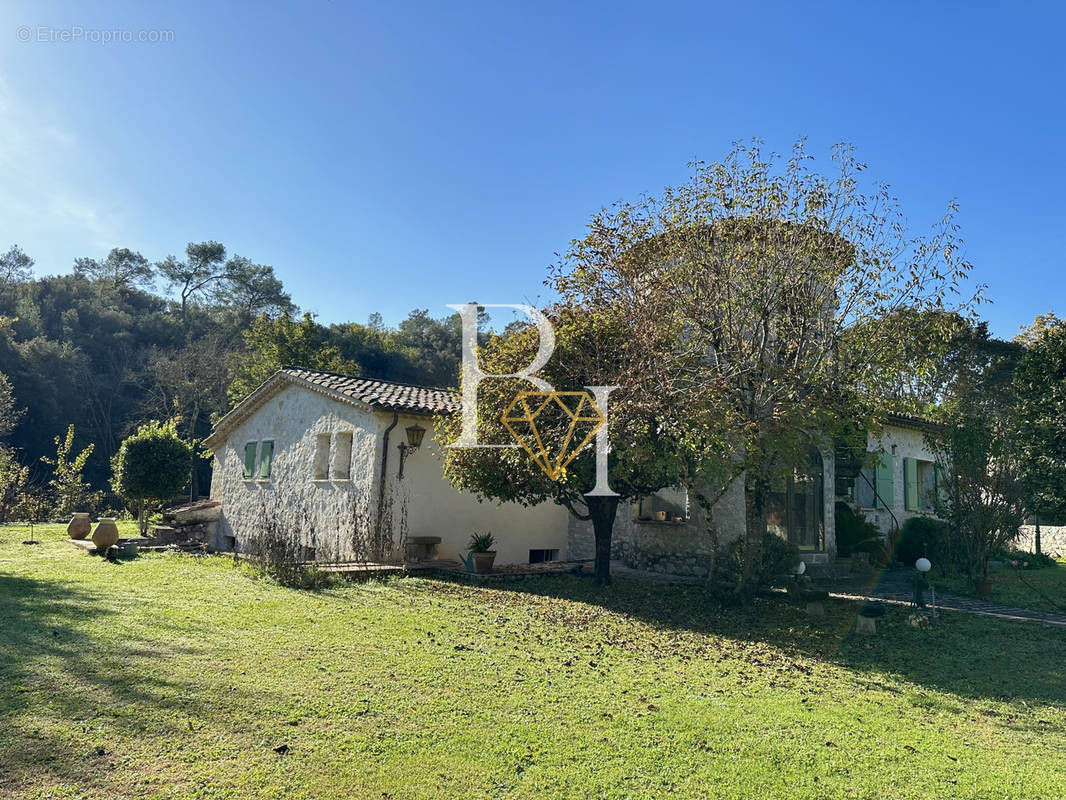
[106,533]
[79,526]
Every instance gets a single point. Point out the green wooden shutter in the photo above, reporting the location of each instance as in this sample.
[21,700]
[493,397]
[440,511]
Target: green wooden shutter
[910,484]
[249,459]
[886,482]
[266,457]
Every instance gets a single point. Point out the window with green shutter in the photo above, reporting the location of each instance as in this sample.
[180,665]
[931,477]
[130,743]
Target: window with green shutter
[266,458]
[942,497]
[886,481]
[910,484]
[249,459]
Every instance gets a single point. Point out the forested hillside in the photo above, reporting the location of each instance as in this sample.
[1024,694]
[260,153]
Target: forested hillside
[119,340]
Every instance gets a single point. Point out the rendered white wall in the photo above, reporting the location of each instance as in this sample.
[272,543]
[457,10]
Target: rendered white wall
[436,508]
[294,419]
[908,443]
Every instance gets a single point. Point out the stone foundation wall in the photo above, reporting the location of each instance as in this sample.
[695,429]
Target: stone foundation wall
[1052,539]
[673,548]
[685,548]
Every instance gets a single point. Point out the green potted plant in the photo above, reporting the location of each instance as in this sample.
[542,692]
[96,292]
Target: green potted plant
[481,551]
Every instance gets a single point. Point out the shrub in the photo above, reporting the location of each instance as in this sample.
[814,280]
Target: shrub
[276,549]
[13,479]
[924,536]
[779,559]
[69,488]
[150,468]
[1025,560]
[481,542]
[857,535]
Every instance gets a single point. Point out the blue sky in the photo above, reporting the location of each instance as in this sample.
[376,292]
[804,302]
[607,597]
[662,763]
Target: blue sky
[386,156]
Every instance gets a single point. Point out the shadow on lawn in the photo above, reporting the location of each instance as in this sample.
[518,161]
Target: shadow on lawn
[966,655]
[67,696]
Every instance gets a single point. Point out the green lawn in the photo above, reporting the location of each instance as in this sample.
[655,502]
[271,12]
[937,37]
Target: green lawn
[174,676]
[1046,589]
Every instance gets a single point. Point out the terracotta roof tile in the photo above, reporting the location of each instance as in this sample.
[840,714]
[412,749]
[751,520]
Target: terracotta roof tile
[386,395]
[382,394]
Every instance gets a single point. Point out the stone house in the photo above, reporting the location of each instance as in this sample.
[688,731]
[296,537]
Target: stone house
[332,457]
[903,482]
[801,511]
[325,452]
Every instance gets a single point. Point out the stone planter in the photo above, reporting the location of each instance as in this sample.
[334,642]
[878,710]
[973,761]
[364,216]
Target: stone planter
[79,526]
[106,533]
[483,562]
[867,619]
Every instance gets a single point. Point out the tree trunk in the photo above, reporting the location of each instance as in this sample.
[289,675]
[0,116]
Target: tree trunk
[755,497]
[194,482]
[142,517]
[712,566]
[602,511]
[1037,543]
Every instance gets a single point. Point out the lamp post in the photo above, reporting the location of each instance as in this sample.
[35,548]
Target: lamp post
[921,567]
[414,441]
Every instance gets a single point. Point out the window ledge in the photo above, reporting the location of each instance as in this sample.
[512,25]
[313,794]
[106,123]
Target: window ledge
[661,522]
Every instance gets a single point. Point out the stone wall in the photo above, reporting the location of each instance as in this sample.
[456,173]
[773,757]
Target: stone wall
[685,548]
[673,548]
[424,503]
[293,419]
[1052,539]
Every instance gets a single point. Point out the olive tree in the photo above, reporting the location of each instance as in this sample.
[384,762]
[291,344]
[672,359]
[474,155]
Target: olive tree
[150,468]
[766,307]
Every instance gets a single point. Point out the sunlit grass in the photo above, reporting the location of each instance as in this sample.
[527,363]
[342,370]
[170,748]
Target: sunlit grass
[173,676]
[1038,589]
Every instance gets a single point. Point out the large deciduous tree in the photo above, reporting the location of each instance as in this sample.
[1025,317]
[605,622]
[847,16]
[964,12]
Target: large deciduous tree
[1040,389]
[189,386]
[981,493]
[767,307]
[587,347]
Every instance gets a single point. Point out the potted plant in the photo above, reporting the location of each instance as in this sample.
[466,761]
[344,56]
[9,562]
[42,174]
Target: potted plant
[481,551]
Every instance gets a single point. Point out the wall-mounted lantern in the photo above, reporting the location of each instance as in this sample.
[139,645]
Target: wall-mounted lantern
[414,441]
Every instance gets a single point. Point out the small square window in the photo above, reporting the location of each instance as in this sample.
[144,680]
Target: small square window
[321,466]
[342,459]
[540,556]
